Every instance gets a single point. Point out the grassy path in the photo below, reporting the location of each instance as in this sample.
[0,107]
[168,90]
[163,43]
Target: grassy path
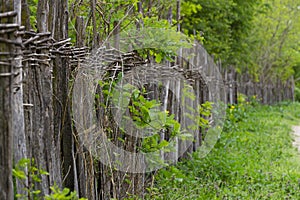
[254,159]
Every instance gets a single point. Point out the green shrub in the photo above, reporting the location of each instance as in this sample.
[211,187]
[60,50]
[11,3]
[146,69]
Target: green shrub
[26,169]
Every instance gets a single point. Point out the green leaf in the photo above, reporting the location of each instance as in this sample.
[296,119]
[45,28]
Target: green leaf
[36,192]
[19,174]
[158,58]
[163,143]
[42,172]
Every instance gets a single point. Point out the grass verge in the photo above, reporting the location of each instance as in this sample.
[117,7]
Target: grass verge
[254,159]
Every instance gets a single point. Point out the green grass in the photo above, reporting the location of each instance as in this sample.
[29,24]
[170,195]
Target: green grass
[254,159]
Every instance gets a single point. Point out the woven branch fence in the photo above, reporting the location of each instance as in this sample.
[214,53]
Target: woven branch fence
[92,178]
[265,91]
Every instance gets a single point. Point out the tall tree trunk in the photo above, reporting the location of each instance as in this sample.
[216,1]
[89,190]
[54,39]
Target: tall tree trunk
[139,24]
[178,18]
[6,103]
[25,15]
[95,42]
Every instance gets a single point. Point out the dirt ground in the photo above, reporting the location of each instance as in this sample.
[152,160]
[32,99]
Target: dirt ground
[296,134]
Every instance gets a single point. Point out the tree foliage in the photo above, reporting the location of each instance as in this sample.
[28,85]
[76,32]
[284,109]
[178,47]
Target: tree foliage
[261,37]
[222,26]
[276,38]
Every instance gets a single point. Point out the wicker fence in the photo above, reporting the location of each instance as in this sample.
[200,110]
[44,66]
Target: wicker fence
[266,92]
[94,179]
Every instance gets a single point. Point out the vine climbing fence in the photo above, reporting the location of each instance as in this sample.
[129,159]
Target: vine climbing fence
[181,85]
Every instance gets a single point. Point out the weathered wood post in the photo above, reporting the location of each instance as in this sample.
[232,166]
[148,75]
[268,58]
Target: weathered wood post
[7,74]
[58,23]
[20,150]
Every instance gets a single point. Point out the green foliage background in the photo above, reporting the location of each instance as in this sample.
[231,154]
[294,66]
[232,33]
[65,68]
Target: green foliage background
[261,37]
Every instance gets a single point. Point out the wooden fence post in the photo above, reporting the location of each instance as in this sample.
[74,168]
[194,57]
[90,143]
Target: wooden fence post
[7,73]
[20,150]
